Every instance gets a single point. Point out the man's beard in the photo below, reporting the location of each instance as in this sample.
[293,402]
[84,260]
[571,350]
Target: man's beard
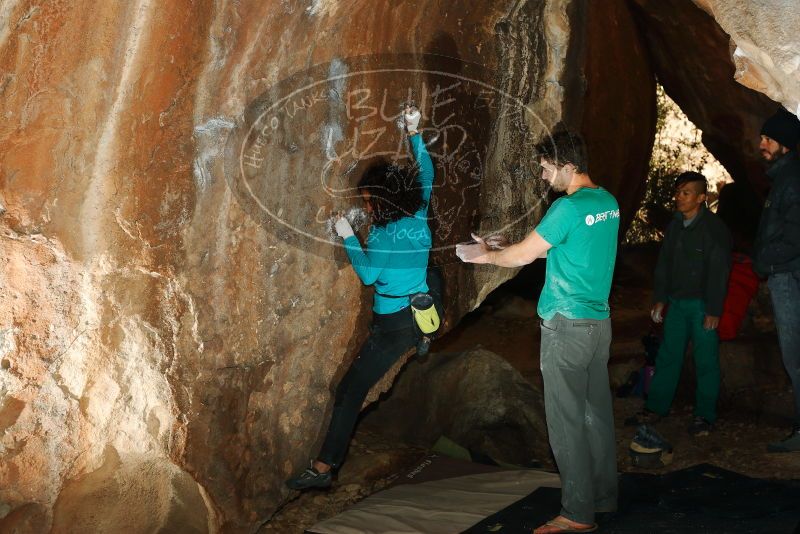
[560,183]
[771,157]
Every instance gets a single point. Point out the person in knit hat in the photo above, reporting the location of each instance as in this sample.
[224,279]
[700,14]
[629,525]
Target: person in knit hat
[777,249]
[783,129]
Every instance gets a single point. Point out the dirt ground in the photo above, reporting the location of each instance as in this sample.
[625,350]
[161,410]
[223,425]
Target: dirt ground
[507,325]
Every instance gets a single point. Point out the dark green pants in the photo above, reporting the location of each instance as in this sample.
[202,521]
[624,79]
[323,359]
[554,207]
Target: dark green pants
[684,321]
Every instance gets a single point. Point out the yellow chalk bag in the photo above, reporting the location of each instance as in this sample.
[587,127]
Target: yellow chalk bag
[424,312]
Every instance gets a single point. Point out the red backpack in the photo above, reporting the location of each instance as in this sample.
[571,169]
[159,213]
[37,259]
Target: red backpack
[742,286]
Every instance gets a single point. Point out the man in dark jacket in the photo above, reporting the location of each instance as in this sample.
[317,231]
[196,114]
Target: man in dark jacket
[691,278]
[777,248]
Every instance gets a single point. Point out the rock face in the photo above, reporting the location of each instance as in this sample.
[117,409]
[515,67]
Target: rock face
[173,317]
[172,313]
[766,45]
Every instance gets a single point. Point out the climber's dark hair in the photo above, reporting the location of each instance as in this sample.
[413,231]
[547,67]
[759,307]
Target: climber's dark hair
[394,191]
[563,147]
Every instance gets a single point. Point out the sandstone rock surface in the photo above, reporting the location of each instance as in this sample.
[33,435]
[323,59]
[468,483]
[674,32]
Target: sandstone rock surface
[766,45]
[159,336]
[171,317]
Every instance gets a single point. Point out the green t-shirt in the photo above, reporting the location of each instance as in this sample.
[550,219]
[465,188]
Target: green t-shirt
[582,228]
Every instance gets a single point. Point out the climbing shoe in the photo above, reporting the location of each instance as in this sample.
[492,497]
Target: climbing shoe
[423,347]
[790,444]
[645,417]
[310,478]
[700,426]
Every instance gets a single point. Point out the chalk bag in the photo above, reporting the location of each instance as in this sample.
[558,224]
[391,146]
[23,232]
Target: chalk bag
[425,313]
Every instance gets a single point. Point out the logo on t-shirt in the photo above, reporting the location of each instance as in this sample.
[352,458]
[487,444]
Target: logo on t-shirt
[602,216]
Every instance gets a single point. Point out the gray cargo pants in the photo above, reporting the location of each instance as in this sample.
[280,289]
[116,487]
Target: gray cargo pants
[580,419]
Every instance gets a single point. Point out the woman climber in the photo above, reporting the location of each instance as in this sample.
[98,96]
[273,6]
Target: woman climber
[395,261]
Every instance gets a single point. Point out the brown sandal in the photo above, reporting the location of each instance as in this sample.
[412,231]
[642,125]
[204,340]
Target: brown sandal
[562,525]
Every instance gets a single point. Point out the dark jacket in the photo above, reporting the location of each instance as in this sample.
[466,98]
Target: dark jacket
[777,246]
[695,261]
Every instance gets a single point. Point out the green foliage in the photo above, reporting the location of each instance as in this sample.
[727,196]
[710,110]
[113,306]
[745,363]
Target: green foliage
[677,148]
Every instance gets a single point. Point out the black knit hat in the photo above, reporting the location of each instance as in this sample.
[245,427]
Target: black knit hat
[784,128]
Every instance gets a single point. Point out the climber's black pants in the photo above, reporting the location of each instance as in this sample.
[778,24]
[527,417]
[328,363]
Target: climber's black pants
[391,335]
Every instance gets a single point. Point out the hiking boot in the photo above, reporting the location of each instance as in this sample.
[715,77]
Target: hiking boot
[645,417]
[700,426]
[310,478]
[790,444]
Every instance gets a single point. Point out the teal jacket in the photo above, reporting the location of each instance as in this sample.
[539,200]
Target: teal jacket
[396,257]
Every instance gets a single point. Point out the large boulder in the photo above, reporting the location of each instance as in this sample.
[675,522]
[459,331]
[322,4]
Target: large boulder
[170,296]
[474,398]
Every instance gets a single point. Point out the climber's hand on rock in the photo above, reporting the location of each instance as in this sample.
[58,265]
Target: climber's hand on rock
[343,228]
[412,117]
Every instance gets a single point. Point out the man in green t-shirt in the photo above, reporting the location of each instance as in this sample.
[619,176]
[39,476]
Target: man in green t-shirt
[578,236]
